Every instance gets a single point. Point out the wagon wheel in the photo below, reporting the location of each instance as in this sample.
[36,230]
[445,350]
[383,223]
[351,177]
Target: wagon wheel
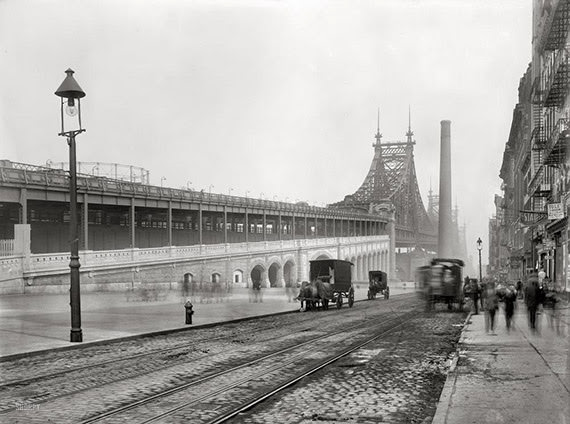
[339,300]
[350,297]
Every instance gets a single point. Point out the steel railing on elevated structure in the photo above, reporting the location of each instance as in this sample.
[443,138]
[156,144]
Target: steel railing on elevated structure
[17,174]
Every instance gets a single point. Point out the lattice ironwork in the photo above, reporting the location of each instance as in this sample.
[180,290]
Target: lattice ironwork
[392,179]
[555,151]
[556,19]
[557,79]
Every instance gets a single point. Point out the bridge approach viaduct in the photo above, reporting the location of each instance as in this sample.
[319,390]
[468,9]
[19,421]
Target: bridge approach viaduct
[134,234]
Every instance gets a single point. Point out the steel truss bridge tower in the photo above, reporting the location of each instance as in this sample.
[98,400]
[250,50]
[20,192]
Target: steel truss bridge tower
[391,184]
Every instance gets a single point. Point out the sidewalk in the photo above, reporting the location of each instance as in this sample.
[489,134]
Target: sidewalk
[509,377]
[30,323]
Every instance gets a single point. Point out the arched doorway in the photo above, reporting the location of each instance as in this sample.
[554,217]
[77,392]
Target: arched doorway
[289,274]
[257,275]
[187,281]
[274,275]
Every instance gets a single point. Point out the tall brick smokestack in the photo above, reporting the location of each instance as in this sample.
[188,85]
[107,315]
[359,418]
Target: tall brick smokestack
[445,238]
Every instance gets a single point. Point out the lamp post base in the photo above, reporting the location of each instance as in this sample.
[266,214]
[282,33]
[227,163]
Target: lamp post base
[76,335]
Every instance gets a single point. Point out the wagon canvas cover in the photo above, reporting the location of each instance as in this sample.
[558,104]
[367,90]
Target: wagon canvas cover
[336,271]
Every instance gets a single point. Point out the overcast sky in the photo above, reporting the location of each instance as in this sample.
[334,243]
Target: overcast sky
[277,99]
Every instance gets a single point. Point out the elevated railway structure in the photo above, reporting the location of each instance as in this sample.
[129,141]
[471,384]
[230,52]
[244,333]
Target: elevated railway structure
[134,233]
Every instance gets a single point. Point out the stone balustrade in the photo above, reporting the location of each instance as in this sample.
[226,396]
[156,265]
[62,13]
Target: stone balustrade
[59,262]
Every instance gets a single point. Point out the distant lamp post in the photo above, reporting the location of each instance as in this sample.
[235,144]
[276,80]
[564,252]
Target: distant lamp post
[71,94]
[479,248]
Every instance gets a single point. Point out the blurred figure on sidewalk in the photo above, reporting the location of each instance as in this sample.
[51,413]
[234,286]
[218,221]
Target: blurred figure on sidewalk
[510,300]
[519,289]
[256,291]
[552,308]
[491,306]
[531,298]
[471,289]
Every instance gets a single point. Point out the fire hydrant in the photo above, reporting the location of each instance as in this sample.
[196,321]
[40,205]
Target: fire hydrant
[189,312]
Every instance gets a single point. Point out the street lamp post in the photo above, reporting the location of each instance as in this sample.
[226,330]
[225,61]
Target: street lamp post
[479,248]
[71,93]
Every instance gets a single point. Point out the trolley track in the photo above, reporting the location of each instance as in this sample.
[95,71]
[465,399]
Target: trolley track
[181,347]
[105,377]
[262,398]
[233,394]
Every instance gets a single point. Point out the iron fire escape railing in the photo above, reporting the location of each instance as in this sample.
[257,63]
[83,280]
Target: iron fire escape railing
[554,24]
[555,148]
[556,76]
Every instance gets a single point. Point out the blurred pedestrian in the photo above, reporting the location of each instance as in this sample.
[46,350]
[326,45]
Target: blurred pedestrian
[475,291]
[483,293]
[510,300]
[256,288]
[519,289]
[471,289]
[491,306]
[551,306]
[531,297]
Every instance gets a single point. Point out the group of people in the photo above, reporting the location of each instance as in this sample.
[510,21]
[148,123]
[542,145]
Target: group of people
[207,292]
[535,294]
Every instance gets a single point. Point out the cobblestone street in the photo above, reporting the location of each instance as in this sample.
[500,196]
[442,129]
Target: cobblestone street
[397,380]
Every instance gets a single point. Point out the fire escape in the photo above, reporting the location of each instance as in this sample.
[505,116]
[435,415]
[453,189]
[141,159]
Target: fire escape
[550,134]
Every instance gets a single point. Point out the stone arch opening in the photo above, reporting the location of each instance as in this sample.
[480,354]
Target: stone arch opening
[187,281]
[215,277]
[256,276]
[289,274]
[322,256]
[273,274]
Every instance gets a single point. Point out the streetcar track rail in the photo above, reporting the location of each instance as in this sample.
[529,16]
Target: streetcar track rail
[51,396]
[296,379]
[282,365]
[28,380]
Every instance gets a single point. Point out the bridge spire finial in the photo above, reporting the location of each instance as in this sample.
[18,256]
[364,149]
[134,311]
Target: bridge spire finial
[378,136]
[410,133]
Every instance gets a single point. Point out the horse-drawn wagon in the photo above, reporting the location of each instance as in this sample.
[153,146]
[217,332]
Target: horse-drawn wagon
[330,281]
[378,283]
[441,282]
